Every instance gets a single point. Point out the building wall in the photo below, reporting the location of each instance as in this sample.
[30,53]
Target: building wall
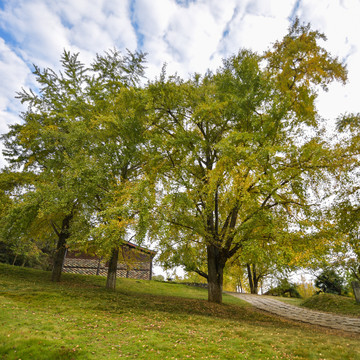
[132,264]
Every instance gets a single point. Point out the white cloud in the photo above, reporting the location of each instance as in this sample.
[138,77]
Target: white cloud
[97,25]
[279,9]
[255,32]
[185,37]
[73,12]
[37,30]
[338,20]
[190,36]
[91,36]
[153,17]
[14,74]
[42,29]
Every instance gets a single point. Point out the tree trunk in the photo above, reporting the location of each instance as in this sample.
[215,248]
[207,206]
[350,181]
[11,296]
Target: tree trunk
[59,255]
[356,287]
[250,278]
[215,274]
[111,275]
[253,280]
[239,286]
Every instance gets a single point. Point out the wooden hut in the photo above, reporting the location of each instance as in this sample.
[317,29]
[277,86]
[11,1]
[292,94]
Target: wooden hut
[134,262]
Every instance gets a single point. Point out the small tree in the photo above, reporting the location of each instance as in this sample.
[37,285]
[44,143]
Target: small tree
[284,288]
[306,288]
[330,282]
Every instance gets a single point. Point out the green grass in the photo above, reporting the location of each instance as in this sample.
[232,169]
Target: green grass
[79,319]
[288,300]
[333,303]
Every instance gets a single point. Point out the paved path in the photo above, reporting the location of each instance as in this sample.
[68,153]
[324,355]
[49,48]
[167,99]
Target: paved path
[301,314]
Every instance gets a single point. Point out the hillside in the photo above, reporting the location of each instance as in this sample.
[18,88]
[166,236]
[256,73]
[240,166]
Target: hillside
[333,303]
[80,319]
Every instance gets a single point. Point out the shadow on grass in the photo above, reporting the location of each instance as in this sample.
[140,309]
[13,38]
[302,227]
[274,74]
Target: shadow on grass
[41,350]
[89,293]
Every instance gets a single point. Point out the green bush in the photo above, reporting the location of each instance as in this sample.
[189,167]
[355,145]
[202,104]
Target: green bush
[330,282]
[285,288]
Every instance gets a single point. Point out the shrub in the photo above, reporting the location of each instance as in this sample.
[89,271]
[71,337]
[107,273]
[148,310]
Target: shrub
[285,288]
[330,282]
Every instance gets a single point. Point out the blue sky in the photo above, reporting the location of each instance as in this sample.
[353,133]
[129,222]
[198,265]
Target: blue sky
[189,35]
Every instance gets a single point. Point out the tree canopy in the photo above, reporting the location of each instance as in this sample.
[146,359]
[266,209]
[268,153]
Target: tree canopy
[242,147]
[79,146]
[221,164]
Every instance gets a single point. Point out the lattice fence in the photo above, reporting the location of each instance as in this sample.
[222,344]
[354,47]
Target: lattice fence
[96,266]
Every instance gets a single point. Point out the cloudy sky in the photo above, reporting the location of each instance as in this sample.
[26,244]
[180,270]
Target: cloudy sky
[189,35]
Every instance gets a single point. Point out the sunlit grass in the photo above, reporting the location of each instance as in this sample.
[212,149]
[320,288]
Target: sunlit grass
[80,319]
[333,303]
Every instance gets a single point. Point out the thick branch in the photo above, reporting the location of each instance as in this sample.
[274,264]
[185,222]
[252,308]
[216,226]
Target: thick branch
[201,273]
[54,227]
[179,224]
[234,250]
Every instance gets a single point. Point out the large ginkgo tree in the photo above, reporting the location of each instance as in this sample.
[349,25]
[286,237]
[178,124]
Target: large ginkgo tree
[241,147]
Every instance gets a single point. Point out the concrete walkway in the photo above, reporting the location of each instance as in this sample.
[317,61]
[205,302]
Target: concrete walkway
[301,314]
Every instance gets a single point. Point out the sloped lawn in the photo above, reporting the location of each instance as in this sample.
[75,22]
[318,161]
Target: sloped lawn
[333,303]
[80,319]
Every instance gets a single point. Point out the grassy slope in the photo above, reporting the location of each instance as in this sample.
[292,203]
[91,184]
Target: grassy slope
[333,303]
[79,319]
